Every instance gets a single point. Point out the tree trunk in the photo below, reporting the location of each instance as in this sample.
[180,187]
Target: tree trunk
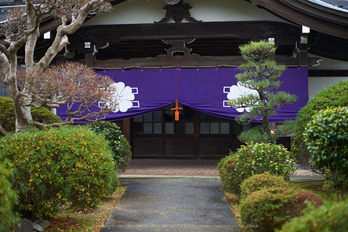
[23,116]
[22,113]
[3,131]
[267,129]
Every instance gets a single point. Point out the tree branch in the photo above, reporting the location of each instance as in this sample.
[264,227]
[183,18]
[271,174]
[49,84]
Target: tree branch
[3,131]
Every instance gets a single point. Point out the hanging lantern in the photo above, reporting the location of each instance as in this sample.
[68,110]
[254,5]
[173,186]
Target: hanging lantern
[171,2]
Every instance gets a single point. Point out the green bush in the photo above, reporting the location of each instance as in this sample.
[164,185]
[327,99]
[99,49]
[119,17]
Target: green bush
[326,137]
[254,134]
[230,177]
[7,114]
[287,128]
[8,198]
[333,217]
[261,181]
[255,158]
[334,96]
[268,209]
[57,166]
[119,145]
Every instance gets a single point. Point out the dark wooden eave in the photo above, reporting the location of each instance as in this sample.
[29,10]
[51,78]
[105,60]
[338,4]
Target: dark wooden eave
[315,16]
[252,30]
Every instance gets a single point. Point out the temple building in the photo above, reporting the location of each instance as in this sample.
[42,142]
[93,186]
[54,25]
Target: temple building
[169,56]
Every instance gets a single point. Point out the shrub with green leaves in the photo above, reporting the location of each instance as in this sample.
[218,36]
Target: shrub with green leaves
[119,145]
[252,159]
[268,209]
[8,218]
[58,166]
[7,114]
[333,217]
[334,96]
[230,177]
[326,137]
[261,181]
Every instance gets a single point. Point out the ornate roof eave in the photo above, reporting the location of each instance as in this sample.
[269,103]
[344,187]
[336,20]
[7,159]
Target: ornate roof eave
[317,17]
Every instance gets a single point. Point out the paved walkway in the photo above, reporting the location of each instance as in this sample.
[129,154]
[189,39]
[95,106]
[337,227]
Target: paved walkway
[175,195]
[189,204]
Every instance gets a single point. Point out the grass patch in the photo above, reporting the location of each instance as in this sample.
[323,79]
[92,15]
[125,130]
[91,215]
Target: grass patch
[313,186]
[90,220]
[317,187]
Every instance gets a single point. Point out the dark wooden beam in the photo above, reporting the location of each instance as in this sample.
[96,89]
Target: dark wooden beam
[328,73]
[249,30]
[203,62]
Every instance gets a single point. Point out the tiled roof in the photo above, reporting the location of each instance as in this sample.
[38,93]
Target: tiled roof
[3,12]
[343,4]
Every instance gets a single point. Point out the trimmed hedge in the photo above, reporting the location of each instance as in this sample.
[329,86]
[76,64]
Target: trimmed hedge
[333,217]
[119,145]
[66,165]
[261,181]
[268,209]
[7,114]
[326,137]
[334,96]
[255,158]
[8,218]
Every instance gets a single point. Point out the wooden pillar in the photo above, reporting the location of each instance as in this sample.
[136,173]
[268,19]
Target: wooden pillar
[126,129]
[302,54]
[89,59]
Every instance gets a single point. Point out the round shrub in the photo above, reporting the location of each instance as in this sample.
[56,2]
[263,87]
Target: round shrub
[326,137]
[230,177]
[334,96]
[268,209]
[261,181]
[66,165]
[333,217]
[119,145]
[255,158]
[8,198]
[7,114]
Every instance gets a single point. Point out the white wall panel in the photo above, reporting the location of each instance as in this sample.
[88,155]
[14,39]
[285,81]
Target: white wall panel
[148,11]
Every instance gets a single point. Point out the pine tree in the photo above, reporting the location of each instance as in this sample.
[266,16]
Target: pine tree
[262,75]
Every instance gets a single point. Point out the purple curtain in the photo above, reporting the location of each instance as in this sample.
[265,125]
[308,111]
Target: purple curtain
[205,90]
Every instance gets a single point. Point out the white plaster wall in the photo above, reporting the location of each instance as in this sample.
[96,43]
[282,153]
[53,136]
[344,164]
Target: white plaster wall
[316,84]
[148,11]
[329,64]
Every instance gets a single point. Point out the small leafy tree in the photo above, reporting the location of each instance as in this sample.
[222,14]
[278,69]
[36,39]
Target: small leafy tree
[326,137]
[261,75]
[21,28]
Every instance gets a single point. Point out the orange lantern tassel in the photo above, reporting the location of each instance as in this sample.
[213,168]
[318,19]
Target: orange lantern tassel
[177,108]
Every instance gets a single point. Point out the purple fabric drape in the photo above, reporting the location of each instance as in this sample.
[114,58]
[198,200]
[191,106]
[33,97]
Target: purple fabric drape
[205,90]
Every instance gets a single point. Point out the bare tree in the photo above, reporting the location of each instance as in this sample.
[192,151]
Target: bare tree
[22,29]
[87,95]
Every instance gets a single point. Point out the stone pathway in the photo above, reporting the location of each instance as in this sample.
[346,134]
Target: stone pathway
[172,204]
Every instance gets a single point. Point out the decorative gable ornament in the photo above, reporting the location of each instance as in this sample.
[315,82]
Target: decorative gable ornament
[171,2]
